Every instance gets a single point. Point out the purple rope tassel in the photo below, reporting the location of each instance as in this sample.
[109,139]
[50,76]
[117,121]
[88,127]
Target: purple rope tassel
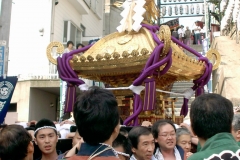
[70,98]
[184,109]
[137,108]
[150,94]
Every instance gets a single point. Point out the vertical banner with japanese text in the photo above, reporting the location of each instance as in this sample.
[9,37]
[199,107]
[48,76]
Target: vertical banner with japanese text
[2,52]
[7,86]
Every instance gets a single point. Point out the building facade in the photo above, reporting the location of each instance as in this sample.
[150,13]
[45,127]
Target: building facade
[34,24]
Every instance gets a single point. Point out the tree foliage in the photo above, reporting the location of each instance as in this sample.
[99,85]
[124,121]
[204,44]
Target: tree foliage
[216,2]
[214,14]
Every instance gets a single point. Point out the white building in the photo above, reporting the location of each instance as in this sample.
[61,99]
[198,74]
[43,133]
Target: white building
[34,24]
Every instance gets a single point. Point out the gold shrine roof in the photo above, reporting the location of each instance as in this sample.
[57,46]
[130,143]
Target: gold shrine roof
[118,59]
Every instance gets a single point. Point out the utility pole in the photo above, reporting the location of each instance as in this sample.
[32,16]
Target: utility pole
[5,20]
[159,6]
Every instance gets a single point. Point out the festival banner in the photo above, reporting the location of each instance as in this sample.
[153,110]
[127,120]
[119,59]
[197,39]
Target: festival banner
[173,23]
[7,86]
[2,52]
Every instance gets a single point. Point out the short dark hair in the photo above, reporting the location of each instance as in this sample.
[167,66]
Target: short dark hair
[121,140]
[70,42]
[124,132]
[156,129]
[96,115]
[135,133]
[2,126]
[236,122]
[211,114]
[80,44]
[14,141]
[44,122]
[158,124]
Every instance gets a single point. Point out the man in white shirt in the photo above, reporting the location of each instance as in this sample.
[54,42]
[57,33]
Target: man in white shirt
[197,30]
[164,133]
[181,33]
[203,31]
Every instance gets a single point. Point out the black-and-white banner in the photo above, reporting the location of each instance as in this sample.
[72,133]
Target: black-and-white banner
[7,86]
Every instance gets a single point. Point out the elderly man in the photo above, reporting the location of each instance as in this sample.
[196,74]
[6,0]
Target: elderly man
[184,140]
[211,118]
[188,35]
[236,128]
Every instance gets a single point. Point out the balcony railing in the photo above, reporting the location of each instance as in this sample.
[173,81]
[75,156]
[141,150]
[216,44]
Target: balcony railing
[22,77]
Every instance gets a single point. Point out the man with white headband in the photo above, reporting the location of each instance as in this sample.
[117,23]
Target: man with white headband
[46,139]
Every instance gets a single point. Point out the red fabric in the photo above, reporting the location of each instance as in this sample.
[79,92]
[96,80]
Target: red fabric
[192,38]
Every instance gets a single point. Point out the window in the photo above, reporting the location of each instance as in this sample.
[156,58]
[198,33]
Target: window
[71,33]
[12,107]
[83,30]
[96,6]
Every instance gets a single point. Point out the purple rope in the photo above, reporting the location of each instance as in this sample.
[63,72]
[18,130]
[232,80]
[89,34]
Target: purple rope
[68,56]
[153,28]
[167,67]
[184,110]
[150,94]
[137,110]
[200,82]
[201,58]
[79,50]
[145,73]
[67,74]
[154,57]
[209,75]
[61,73]
[63,66]
[152,64]
[72,73]
[203,76]
[65,71]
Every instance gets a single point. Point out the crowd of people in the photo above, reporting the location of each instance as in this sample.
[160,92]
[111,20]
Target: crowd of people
[99,135]
[187,36]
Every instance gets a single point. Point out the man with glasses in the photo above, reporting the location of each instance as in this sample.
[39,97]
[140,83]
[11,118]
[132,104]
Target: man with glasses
[164,133]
